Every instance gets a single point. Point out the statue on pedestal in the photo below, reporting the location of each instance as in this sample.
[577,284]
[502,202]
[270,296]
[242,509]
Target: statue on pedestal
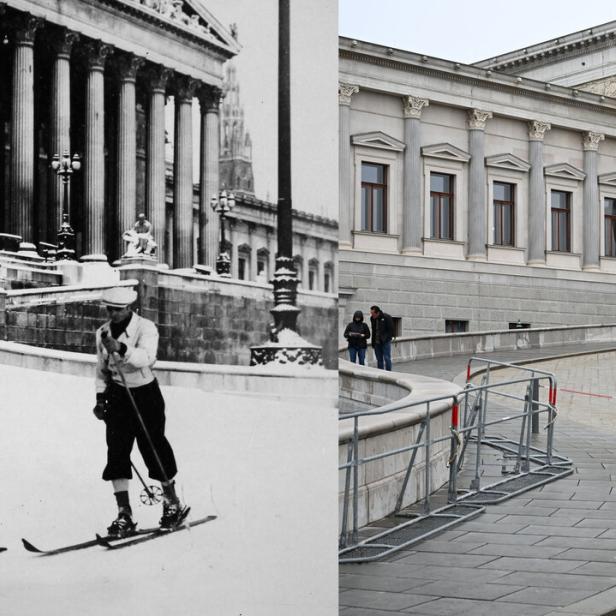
[140,239]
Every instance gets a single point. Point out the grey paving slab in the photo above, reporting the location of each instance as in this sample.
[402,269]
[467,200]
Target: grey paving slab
[470,607]
[492,527]
[502,538]
[546,596]
[375,599]
[447,547]
[596,569]
[588,555]
[349,581]
[451,560]
[597,523]
[579,542]
[520,551]
[464,590]
[549,565]
[568,504]
[596,605]
[563,531]
[558,580]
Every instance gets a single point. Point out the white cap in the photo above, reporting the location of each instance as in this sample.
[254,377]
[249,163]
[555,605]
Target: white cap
[118,297]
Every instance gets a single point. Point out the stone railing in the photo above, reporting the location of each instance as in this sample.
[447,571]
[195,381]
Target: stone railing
[380,481]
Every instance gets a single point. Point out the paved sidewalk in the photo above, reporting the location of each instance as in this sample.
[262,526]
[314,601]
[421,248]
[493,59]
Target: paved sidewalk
[546,552]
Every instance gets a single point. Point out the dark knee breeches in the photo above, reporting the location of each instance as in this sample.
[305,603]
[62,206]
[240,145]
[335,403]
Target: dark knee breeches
[123,427]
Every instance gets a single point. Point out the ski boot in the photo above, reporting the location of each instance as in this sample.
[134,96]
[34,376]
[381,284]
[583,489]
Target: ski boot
[174,513]
[122,526]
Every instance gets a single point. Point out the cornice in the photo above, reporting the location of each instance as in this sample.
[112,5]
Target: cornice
[410,62]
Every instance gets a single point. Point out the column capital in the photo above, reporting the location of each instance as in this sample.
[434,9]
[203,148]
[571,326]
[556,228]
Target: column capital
[591,141]
[25,27]
[128,64]
[97,54]
[413,106]
[477,118]
[345,92]
[62,42]
[210,98]
[537,129]
[185,88]
[158,77]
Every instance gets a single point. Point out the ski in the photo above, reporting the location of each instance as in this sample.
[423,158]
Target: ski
[116,544]
[79,546]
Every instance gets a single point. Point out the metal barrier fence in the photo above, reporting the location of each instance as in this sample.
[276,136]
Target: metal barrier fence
[513,406]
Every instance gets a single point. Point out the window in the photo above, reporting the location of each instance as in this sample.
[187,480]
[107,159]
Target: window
[519,325]
[311,279]
[453,326]
[397,322]
[561,232]
[504,214]
[610,226]
[373,198]
[441,206]
[241,268]
[328,277]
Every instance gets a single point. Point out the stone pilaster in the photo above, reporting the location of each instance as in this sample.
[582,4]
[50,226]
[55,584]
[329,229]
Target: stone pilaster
[126,194]
[21,203]
[155,165]
[592,222]
[477,213]
[412,209]
[271,257]
[209,224]
[183,175]
[94,163]
[60,123]
[536,193]
[345,182]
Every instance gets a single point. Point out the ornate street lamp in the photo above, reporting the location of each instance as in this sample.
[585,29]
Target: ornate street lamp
[66,236]
[222,205]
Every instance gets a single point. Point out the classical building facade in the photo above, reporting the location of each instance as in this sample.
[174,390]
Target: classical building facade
[94,78]
[479,196]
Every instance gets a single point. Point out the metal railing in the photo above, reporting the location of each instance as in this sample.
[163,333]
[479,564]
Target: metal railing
[512,405]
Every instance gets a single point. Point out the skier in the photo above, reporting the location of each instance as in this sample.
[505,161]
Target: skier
[126,346]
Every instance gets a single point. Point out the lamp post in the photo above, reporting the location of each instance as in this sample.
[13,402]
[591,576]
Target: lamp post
[222,205]
[66,236]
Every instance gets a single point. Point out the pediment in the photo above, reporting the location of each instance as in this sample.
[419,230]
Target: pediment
[446,150]
[378,139]
[507,161]
[564,171]
[608,178]
[192,16]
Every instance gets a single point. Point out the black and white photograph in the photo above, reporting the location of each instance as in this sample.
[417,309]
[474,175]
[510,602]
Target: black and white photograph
[168,307]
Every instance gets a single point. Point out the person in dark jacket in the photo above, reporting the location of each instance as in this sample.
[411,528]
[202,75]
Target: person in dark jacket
[382,334]
[357,334]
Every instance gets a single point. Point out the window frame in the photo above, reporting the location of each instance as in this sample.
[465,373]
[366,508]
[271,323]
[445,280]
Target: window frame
[559,211]
[452,207]
[372,186]
[612,217]
[501,204]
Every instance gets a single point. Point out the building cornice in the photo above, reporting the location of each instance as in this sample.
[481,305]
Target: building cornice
[410,62]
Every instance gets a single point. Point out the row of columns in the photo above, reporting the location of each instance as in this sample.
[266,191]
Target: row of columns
[22,163]
[412,227]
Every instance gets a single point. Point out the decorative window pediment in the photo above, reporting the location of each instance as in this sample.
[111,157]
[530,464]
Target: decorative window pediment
[564,171]
[378,139]
[446,150]
[507,161]
[245,248]
[608,178]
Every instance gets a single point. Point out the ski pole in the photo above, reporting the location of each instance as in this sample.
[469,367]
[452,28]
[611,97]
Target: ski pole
[150,494]
[139,417]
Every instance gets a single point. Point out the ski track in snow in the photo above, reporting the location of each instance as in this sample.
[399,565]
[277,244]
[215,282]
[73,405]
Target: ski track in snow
[265,468]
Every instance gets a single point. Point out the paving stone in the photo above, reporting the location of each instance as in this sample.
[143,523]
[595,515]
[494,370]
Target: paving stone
[447,547]
[579,542]
[521,551]
[469,607]
[349,581]
[596,605]
[495,527]
[569,504]
[464,590]
[372,599]
[562,531]
[452,560]
[534,564]
[558,580]
[546,596]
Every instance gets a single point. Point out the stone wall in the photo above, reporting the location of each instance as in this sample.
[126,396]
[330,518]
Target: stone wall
[425,293]
[200,319]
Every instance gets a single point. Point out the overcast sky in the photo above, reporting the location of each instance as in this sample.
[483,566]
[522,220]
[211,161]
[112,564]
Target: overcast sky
[468,31]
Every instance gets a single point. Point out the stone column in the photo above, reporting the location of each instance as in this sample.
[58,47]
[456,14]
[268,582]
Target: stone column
[21,178]
[59,124]
[345,184]
[126,194]
[536,193]
[591,205]
[94,156]
[271,257]
[233,254]
[477,212]
[155,163]
[209,222]
[252,238]
[412,208]
[182,175]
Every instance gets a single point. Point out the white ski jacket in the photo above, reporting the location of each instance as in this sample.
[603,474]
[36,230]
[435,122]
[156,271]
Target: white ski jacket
[141,340]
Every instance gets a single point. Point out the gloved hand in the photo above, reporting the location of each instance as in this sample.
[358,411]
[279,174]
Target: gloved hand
[110,344]
[100,410]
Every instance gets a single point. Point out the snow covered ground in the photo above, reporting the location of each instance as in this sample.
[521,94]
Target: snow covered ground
[267,470]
